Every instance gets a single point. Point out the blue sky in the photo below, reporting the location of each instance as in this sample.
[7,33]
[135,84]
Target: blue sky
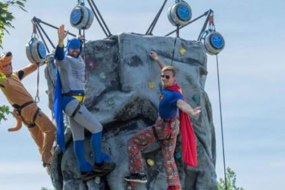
[252,80]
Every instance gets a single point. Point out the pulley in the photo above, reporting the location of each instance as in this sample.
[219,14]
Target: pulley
[214,42]
[179,14]
[35,50]
[81,17]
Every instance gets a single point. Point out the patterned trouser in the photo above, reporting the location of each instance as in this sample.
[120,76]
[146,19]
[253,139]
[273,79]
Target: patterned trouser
[167,134]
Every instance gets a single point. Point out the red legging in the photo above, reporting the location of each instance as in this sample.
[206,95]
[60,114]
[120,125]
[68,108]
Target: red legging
[167,134]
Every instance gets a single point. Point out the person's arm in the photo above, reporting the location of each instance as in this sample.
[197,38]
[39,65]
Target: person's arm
[27,70]
[59,52]
[155,57]
[181,104]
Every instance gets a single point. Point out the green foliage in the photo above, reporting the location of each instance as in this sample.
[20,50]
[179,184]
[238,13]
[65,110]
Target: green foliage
[6,17]
[4,110]
[44,188]
[231,181]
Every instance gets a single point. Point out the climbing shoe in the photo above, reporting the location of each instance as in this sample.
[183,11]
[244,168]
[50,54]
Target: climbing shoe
[104,169]
[174,187]
[86,176]
[139,178]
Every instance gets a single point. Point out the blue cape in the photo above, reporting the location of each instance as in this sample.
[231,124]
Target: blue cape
[58,114]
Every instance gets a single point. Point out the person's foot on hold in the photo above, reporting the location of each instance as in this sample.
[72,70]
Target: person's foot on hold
[139,178]
[86,176]
[104,169]
[174,187]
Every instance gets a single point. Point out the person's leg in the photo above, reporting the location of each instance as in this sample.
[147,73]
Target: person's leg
[136,144]
[32,115]
[90,122]
[37,135]
[85,119]
[168,148]
[78,146]
[47,128]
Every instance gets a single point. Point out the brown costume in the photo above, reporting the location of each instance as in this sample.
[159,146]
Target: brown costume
[39,125]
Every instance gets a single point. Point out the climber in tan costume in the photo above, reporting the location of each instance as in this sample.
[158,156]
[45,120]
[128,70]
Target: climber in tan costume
[25,109]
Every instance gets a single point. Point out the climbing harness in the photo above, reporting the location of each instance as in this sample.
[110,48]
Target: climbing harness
[81,17]
[19,109]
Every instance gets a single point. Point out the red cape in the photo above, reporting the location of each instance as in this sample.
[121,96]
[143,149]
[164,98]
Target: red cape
[189,144]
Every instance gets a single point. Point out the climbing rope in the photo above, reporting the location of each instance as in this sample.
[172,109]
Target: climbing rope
[173,52]
[37,97]
[221,121]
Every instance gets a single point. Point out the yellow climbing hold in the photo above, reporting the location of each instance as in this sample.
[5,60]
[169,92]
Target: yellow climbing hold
[150,162]
[151,84]
[182,51]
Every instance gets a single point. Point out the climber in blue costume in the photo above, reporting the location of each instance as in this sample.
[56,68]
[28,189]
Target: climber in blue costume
[69,96]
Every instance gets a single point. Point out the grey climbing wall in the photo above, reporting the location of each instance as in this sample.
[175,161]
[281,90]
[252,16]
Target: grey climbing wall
[122,88]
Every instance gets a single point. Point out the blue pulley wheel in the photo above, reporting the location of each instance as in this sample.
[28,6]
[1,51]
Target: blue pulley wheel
[214,42]
[75,16]
[35,51]
[179,14]
[183,12]
[81,17]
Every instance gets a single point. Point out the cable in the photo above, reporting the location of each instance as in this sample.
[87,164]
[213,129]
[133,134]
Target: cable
[99,18]
[221,120]
[35,19]
[41,35]
[195,19]
[37,97]
[151,27]
[210,12]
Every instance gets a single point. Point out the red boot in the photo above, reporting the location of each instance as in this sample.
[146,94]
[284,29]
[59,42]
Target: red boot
[174,187]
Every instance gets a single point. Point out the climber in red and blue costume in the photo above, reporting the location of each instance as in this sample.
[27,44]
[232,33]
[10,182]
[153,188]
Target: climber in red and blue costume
[165,131]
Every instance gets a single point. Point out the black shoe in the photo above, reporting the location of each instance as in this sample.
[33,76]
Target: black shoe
[86,176]
[140,178]
[104,169]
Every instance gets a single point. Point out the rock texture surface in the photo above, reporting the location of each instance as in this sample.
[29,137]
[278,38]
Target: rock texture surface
[123,86]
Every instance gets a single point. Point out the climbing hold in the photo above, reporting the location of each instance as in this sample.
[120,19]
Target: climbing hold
[178,155]
[35,50]
[179,14]
[81,17]
[150,162]
[97,180]
[102,75]
[196,99]
[151,84]
[182,51]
